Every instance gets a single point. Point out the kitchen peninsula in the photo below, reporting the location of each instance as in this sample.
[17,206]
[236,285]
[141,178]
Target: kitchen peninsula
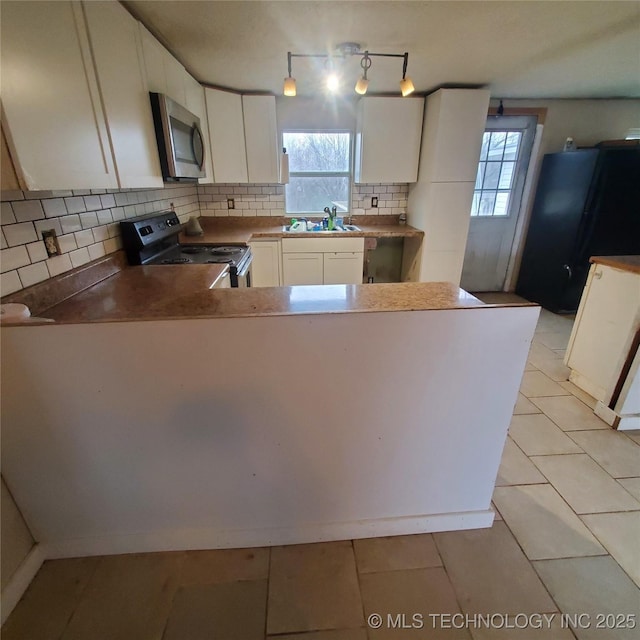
[232,417]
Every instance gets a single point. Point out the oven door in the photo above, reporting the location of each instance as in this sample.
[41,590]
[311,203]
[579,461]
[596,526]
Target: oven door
[242,276]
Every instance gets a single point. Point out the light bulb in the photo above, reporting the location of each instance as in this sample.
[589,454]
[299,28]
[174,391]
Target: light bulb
[362,85]
[406,86]
[333,82]
[290,86]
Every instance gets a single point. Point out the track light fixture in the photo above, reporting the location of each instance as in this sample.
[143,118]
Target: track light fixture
[343,51]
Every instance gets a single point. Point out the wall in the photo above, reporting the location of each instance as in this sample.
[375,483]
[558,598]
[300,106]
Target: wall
[15,537]
[586,121]
[86,223]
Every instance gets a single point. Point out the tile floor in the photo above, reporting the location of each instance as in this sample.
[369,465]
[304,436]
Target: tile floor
[566,539]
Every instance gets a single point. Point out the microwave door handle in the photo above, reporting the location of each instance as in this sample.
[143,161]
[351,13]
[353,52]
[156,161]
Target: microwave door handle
[197,143]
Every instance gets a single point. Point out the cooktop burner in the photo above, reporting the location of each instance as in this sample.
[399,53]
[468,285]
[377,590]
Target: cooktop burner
[194,250]
[226,250]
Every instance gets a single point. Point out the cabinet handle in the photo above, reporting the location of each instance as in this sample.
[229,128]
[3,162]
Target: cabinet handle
[597,274]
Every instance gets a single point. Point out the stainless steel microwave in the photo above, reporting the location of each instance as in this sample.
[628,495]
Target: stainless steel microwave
[179,139]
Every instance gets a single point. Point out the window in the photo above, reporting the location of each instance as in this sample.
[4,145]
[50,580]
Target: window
[319,171]
[495,177]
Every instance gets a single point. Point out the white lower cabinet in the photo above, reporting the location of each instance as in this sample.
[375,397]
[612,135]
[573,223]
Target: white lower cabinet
[265,267]
[343,268]
[302,268]
[322,260]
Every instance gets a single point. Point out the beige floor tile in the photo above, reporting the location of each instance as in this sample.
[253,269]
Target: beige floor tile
[560,353]
[524,405]
[620,534]
[127,597]
[569,413]
[536,384]
[536,435]
[529,367]
[577,392]
[632,485]
[592,586]
[226,611]
[516,468]
[584,484]
[47,605]
[224,565]
[397,552]
[416,592]
[634,435]
[537,351]
[538,628]
[490,573]
[543,523]
[554,368]
[498,515]
[554,339]
[613,451]
[341,634]
[313,587]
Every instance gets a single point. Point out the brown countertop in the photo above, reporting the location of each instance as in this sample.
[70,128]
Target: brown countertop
[221,231]
[625,263]
[140,293]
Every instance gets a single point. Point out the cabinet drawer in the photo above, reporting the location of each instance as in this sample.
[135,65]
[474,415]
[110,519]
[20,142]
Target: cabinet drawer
[322,245]
[305,268]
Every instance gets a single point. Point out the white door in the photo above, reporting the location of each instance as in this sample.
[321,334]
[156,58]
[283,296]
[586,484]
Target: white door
[497,196]
[343,268]
[302,268]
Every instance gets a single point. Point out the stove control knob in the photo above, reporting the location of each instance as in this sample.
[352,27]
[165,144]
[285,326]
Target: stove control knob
[172,222]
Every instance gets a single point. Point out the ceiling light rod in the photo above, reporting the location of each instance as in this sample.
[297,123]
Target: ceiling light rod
[351,49]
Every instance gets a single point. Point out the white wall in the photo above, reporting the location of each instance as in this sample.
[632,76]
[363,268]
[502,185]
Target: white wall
[289,443]
[586,121]
[16,539]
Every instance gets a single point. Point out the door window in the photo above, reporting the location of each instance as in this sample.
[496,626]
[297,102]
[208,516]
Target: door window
[495,178]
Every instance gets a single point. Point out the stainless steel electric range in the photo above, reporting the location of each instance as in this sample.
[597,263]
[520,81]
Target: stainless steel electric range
[154,240]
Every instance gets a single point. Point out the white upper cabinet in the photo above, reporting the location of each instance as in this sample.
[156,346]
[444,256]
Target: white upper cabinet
[50,98]
[226,130]
[116,47]
[388,133]
[261,138]
[454,123]
[195,102]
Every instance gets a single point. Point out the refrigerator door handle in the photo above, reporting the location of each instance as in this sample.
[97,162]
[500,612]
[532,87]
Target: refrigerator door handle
[567,268]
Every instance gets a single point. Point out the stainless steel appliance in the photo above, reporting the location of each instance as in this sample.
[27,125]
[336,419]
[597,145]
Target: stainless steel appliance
[154,240]
[179,139]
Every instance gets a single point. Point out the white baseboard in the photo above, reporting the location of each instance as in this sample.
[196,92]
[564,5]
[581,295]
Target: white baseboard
[227,539]
[20,580]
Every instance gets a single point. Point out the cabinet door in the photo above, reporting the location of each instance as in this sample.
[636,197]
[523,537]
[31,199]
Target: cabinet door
[196,104]
[454,124]
[302,268]
[114,37]
[343,268]
[261,138]
[226,131]
[388,134]
[50,98]
[176,76]
[602,336]
[265,268]
[153,54]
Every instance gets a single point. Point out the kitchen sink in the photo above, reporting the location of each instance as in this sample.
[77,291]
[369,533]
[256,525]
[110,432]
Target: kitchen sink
[317,227]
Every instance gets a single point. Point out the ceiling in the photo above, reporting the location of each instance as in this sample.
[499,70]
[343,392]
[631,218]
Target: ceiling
[517,49]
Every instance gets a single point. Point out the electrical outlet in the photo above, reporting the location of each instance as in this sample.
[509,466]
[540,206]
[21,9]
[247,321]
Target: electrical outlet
[231,204]
[374,202]
[51,243]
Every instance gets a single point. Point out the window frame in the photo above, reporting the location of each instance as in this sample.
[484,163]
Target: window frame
[321,174]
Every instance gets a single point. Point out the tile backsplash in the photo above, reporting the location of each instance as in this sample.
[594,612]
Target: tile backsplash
[87,222]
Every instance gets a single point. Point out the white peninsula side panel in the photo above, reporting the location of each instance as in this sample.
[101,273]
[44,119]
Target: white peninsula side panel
[307,434]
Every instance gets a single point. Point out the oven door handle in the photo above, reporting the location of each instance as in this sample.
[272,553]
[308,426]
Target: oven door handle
[246,266]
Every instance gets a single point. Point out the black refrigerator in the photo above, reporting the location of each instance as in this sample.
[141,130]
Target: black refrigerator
[587,203]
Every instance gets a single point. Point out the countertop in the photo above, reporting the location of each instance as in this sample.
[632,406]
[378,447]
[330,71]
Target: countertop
[218,231]
[625,263]
[163,292]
